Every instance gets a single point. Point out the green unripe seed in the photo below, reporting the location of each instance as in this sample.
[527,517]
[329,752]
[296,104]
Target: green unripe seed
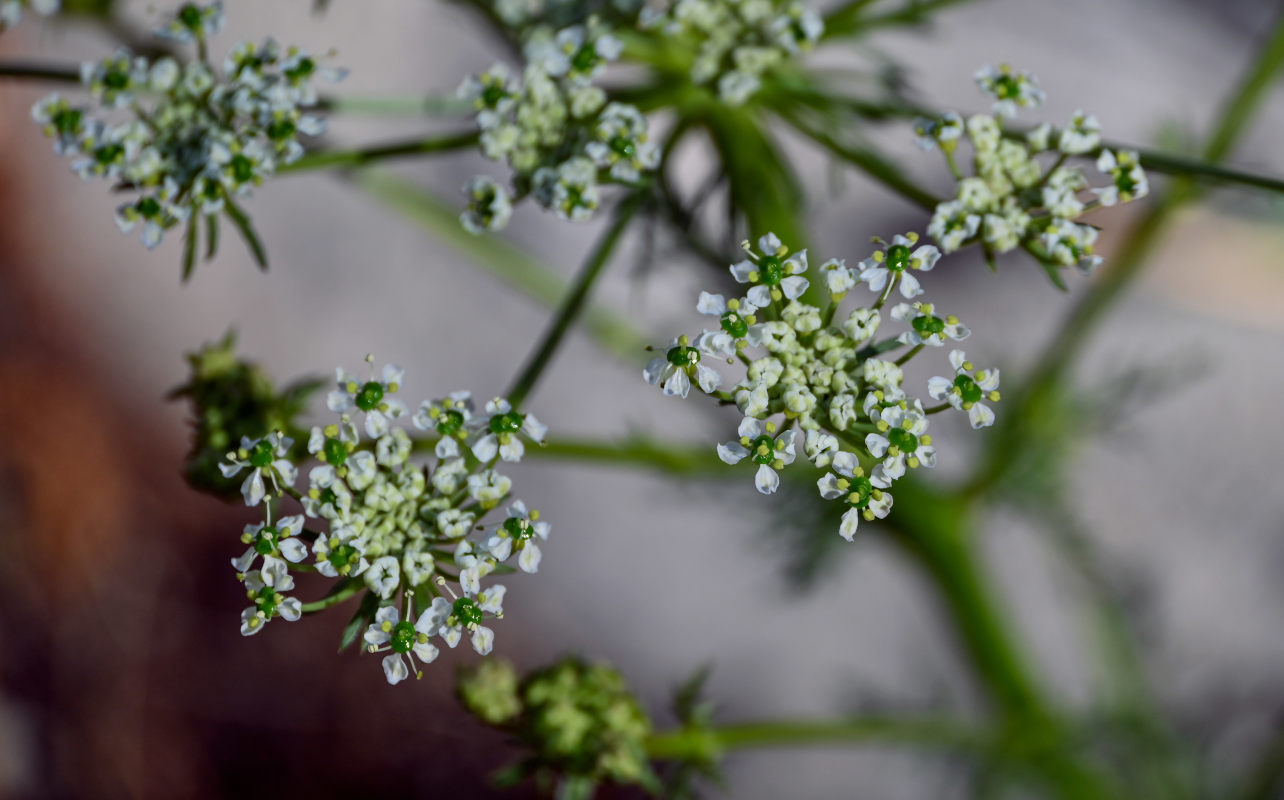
[735,324]
[467,612]
[403,637]
[450,422]
[898,258]
[683,356]
[261,455]
[518,528]
[506,423]
[928,325]
[903,440]
[370,396]
[968,390]
[761,455]
[265,543]
[772,270]
[335,452]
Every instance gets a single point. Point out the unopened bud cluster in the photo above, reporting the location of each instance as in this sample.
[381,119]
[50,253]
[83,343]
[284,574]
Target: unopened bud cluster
[552,125]
[187,138]
[419,538]
[1013,199]
[731,43]
[579,721]
[825,384]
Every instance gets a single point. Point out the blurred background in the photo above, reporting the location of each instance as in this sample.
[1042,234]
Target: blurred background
[122,672]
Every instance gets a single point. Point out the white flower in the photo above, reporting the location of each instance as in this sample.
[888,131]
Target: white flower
[406,641]
[370,397]
[384,576]
[820,447]
[757,442]
[926,328]
[268,540]
[502,439]
[850,484]
[519,532]
[903,441]
[339,553]
[675,369]
[838,277]
[265,587]
[466,613]
[952,225]
[773,273]
[489,205]
[966,390]
[488,488]
[1009,89]
[1130,181]
[1082,135]
[266,460]
[451,417]
[894,262]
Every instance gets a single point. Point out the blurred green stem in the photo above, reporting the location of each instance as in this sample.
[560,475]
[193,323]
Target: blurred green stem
[707,744]
[370,154]
[575,299]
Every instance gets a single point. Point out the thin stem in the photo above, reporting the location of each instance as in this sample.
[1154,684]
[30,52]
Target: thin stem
[334,599]
[31,70]
[380,152]
[696,743]
[574,301]
[913,351]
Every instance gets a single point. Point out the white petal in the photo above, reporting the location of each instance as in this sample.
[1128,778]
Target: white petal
[729,452]
[851,519]
[486,448]
[655,370]
[529,558]
[794,287]
[713,304]
[766,479]
[395,669]
[483,640]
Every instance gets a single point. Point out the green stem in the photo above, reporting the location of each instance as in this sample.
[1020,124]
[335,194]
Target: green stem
[334,599]
[31,70]
[374,153]
[575,299]
[695,743]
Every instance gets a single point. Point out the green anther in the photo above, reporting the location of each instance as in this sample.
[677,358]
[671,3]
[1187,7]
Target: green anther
[519,529]
[898,258]
[242,168]
[341,556]
[466,611]
[262,454]
[370,396]
[928,325]
[584,60]
[148,207]
[450,422]
[403,637]
[763,450]
[903,440]
[967,389]
[506,423]
[67,122]
[735,324]
[683,356]
[265,543]
[623,147]
[280,129]
[335,452]
[190,16]
[771,269]
[861,489]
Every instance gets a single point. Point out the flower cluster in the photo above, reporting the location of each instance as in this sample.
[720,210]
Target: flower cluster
[11,10]
[732,43]
[554,128]
[579,721]
[378,522]
[821,385]
[187,138]
[1012,199]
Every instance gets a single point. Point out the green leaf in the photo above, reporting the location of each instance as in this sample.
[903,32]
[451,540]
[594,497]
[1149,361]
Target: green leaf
[360,620]
[242,223]
[211,235]
[688,705]
[189,248]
